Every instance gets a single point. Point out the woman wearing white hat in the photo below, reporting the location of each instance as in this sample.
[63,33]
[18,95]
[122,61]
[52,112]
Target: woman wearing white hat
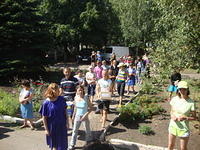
[182,111]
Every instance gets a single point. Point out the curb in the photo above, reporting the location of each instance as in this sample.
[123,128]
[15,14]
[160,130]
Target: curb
[37,123]
[121,144]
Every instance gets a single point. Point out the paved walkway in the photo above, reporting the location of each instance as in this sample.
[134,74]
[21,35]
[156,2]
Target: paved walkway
[13,138]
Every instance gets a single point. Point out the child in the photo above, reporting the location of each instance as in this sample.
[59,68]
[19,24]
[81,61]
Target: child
[82,110]
[79,76]
[131,78]
[98,70]
[91,83]
[174,79]
[55,118]
[25,98]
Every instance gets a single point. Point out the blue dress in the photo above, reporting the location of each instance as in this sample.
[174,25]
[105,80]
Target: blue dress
[131,79]
[26,109]
[55,111]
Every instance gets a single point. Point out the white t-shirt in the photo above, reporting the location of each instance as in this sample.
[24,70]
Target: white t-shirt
[80,79]
[105,88]
[90,76]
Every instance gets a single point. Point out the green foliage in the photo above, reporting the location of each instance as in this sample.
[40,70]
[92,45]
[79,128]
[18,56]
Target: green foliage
[23,39]
[168,29]
[77,22]
[142,107]
[148,87]
[176,36]
[9,104]
[145,130]
[136,20]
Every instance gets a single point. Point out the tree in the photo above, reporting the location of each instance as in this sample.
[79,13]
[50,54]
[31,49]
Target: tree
[89,22]
[136,20]
[23,38]
[176,44]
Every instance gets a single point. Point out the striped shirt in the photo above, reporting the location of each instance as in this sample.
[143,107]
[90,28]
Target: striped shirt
[122,75]
[69,86]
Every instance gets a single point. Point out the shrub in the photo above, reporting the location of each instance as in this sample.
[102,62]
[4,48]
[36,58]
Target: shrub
[9,104]
[143,107]
[130,112]
[149,88]
[145,130]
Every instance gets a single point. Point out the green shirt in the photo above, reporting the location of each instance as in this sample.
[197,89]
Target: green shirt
[181,107]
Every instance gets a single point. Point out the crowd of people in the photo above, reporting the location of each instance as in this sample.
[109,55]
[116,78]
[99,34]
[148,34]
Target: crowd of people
[68,104]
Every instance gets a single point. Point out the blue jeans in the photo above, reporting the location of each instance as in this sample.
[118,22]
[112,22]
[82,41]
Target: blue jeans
[77,124]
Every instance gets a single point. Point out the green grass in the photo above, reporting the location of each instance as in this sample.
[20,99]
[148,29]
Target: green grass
[145,130]
[9,104]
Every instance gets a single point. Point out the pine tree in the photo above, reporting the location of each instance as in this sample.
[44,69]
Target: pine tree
[23,38]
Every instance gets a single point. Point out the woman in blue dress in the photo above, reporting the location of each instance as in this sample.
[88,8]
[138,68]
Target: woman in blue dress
[131,78]
[53,112]
[26,106]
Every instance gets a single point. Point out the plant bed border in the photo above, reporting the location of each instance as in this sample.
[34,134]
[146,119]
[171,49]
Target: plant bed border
[17,120]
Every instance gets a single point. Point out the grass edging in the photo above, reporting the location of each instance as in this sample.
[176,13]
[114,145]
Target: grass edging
[17,120]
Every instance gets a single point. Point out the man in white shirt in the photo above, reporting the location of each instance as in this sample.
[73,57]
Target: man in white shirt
[104,93]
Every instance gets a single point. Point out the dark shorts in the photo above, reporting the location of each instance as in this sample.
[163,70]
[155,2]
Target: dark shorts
[104,104]
[91,89]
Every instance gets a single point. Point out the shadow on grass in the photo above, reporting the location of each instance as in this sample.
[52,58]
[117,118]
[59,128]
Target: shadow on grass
[9,124]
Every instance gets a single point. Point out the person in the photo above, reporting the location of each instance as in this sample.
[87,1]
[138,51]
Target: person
[139,69]
[82,110]
[104,94]
[93,57]
[54,118]
[26,106]
[104,65]
[174,79]
[98,56]
[113,57]
[129,60]
[91,83]
[97,145]
[182,111]
[113,71]
[98,70]
[131,78]
[79,76]
[68,90]
[121,80]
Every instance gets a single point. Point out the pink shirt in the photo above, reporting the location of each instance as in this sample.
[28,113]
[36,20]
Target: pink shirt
[98,72]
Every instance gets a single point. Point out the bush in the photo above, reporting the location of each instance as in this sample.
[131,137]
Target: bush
[9,104]
[143,107]
[145,130]
[149,88]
